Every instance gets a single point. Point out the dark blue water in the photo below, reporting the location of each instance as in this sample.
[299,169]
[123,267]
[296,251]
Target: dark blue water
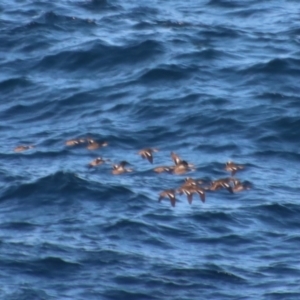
[211,80]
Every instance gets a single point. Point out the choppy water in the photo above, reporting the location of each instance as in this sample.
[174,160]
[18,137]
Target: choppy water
[211,80]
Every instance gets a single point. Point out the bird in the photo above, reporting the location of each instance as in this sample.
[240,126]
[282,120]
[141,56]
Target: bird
[232,167]
[92,144]
[177,160]
[161,169]
[188,181]
[98,161]
[221,183]
[148,154]
[75,142]
[120,168]
[168,194]
[182,168]
[22,148]
[239,186]
[190,190]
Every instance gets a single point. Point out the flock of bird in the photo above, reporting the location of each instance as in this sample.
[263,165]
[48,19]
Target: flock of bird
[189,187]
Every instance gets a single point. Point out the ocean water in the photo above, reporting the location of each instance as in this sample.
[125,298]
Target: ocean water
[211,80]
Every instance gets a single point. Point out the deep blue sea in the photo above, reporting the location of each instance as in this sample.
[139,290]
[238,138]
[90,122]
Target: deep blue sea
[211,80]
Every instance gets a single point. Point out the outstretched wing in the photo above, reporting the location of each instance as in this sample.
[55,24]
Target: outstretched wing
[173,201]
[189,195]
[190,198]
[228,187]
[148,155]
[176,158]
[233,171]
[201,195]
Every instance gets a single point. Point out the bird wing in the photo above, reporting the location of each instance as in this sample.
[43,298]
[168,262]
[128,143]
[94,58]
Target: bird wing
[172,198]
[176,158]
[173,201]
[201,195]
[190,198]
[228,187]
[149,156]
[161,196]
[189,195]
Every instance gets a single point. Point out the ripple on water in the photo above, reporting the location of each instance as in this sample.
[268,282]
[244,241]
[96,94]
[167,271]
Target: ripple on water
[213,81]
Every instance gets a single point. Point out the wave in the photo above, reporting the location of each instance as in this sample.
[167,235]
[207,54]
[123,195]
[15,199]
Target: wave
[45,190]
[24,293]
[97,55]
[126,226]
[98,5]
[280,268]
[11,84]
[216,217]
[47,266]
[286,211]
[276,66]
[166,73]
[277,153]
[207,272]
[107,257]
[19,226]
[226,3]
[127,294]
[282,295]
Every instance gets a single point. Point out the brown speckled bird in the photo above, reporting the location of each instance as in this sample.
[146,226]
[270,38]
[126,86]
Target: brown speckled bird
[181,166]
[92,144]
[232,167]
[168,194]
[239,186]
[220,184]
[98,161]
[148,154]
[161,169]
[120,168]
[188,181]
[22,148]
[75,142]
[190,190]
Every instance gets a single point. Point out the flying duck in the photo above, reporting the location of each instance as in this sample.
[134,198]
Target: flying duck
[232,167]
[120,168]
[220,184]
[92,144]
[168,194]
[98,161]
[190,190]
[148,154]
[75,142]
[22,148]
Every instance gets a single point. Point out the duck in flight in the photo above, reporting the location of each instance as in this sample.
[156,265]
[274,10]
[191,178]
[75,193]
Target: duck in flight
[168,194]
[190,190]
[97,161]
[22,148]
[92,144]
[181,166]
[233,168]
[148,154]
[120,168]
